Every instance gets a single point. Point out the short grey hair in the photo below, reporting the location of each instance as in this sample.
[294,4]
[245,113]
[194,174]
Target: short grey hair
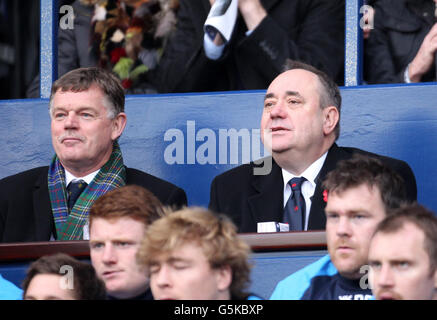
[82,79]
[329,91]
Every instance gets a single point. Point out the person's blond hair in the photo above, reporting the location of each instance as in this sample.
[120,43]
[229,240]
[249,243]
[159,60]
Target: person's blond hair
[215,234]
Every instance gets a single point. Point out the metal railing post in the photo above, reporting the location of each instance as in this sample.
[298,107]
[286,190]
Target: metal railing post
[48,46]
[353,60]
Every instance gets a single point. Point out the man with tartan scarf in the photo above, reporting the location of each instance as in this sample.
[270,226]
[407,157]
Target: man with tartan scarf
[87,118]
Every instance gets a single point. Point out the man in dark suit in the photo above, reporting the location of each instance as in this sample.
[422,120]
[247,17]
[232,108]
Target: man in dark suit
[87,118]
[266,33]
[299,126]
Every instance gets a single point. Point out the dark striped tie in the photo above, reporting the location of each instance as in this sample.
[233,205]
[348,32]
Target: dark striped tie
[74,190]
[294,211]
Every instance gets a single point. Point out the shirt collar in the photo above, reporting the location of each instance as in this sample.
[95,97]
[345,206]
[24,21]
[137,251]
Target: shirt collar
[88,178]
[310,173]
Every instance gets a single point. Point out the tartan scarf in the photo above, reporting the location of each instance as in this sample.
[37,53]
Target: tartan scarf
[70,226]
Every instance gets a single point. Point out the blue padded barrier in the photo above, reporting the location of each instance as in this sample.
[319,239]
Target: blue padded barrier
[272,267]
[48,46]
[397,120]
[353,55]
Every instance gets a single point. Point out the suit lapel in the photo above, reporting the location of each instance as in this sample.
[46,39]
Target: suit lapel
[42,209]
[317,218]
[267,202]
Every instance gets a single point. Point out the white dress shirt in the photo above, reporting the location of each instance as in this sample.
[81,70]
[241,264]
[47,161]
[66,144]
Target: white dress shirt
[88,178]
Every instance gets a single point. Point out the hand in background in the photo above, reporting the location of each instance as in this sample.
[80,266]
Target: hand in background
[252,11]
[424,58]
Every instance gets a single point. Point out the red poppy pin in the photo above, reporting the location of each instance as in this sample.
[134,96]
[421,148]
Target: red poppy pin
[325,195]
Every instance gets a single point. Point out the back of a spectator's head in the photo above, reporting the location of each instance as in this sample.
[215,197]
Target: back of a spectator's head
[419,216]
[216,235]
[370,171]
[85,284]
[130,201]
[329,91]
[83,79]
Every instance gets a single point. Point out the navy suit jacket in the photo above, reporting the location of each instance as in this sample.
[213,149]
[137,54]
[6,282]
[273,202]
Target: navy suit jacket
[248,199]
[26,212]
